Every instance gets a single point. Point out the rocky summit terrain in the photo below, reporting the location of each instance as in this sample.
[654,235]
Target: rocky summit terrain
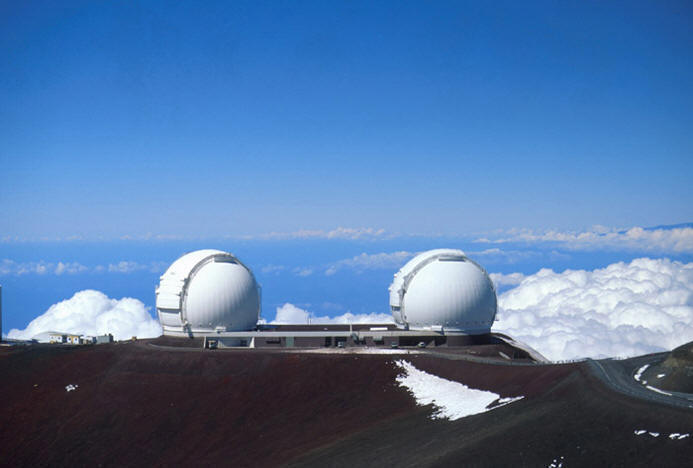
[149,403]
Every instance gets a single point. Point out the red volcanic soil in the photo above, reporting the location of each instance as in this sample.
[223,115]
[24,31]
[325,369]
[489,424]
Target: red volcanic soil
[137,404]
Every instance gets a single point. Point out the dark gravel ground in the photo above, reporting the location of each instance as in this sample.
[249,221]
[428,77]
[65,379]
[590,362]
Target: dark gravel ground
[137,405]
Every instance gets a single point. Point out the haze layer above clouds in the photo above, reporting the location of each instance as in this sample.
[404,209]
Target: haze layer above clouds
[677,239]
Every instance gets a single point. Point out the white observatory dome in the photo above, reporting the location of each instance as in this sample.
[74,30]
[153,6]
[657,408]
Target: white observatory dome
[207,291]
[443,288]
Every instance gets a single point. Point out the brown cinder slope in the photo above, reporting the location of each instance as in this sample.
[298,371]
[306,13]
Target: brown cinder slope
[137,404]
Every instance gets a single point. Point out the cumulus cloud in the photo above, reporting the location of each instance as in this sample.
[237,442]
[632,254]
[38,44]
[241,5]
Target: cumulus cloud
[512,279]
[676,239]
[625,309]
[364,261]
[289,314]
[91,312]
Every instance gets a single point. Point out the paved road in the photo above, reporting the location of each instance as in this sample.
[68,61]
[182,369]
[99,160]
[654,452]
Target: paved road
[618,375]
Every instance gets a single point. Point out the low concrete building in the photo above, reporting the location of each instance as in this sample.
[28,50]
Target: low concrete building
[103,339]
[57,337]
[339,336]
[73,339]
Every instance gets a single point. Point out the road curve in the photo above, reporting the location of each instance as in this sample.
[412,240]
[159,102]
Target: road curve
[618,375]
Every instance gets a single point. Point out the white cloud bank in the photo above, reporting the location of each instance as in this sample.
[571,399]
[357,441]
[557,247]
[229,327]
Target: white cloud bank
[289,314]
[625,309]
[677,239]
[91,312]
[512,279]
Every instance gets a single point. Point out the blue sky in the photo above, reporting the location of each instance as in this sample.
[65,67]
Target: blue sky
[127,118]
[217,124]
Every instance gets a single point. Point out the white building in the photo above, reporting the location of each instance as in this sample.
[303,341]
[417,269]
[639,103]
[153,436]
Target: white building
[73,339]
[207,292]
[443,289]
[55,337]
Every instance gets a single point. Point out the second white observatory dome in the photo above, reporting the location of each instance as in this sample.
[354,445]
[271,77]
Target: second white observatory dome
[207,291]
[443,288]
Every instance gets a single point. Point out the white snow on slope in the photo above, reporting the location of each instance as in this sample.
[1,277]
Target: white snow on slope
[672,436]
[452,400]
[638,374]
[655,389]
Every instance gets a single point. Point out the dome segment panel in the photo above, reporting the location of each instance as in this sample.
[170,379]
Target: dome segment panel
[405,274]
[455,295]
[221,294]
[172,282]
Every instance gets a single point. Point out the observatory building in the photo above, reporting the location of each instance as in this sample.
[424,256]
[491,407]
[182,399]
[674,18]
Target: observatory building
[442,289]
[439,298]
[205,292]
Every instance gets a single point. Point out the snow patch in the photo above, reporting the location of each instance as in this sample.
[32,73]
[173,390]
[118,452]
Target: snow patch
[659,376]
[506,400]
[638,374]
[650,387]
[452,400]
[672,436]
[71,387]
